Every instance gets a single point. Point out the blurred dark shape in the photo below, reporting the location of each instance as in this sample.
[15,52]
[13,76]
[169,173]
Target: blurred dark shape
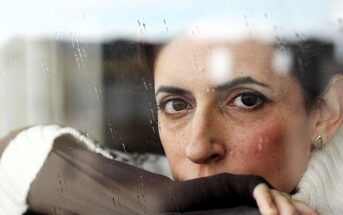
[314,65]
[129,109]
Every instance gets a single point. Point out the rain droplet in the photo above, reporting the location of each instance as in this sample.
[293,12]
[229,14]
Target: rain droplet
[84,53]
[72,42]
[146,87]
[96,93]
[55,211]
[124,147]
[159,126]
[165,24]
[111,130]
[114,202]
[260,147]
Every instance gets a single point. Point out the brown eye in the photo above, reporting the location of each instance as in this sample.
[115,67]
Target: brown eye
[175,105]
[249,100]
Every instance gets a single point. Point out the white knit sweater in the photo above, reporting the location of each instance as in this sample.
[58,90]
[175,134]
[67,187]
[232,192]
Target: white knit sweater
[322,184]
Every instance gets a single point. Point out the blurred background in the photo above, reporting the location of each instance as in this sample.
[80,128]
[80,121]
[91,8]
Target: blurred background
[88,64]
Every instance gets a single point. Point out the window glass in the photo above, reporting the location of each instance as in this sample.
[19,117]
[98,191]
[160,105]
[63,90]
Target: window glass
[88,64]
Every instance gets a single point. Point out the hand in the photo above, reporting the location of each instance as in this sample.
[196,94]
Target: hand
[273,202]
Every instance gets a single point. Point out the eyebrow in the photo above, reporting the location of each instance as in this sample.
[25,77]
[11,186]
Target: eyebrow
[173,90]
[221,87]
[239,81]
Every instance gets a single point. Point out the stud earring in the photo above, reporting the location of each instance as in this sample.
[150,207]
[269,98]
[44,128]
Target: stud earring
[318,143]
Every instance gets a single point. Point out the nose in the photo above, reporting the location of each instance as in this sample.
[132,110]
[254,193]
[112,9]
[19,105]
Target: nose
[205,145]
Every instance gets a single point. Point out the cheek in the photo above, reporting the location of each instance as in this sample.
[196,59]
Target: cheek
[170,140]
[267,137]
[261,148]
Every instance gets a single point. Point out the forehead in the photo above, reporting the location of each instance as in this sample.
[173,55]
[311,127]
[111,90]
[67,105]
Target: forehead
[211,63]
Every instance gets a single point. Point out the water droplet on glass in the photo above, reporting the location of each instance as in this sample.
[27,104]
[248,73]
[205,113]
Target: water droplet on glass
[165,24]
[139,200]
[159,126]
[260,140]
[84,53]
[124,147]
[111,130]
[145,86]
[260,147]
[114,202]
[54,210]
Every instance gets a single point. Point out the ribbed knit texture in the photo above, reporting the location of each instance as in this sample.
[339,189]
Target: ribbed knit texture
[322,184]
[24,157]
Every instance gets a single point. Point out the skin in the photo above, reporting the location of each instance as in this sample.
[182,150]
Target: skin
[206,128]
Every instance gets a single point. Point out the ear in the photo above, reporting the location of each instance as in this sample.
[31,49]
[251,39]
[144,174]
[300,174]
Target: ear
[330,109]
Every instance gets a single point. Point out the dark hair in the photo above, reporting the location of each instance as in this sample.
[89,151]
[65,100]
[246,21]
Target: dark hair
[313,65]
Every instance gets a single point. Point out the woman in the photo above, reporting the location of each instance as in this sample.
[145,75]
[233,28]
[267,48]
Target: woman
[247,121]
[223,106]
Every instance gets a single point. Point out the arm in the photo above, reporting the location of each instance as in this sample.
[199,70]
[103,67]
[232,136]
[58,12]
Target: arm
[19,165]
[75,179]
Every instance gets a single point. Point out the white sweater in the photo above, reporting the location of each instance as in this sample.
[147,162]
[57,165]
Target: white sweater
[322,184]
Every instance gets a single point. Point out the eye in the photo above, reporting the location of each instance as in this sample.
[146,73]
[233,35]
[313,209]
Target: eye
[174,106]
[249,100]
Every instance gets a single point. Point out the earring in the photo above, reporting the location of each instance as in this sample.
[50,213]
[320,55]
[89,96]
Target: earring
[318,143]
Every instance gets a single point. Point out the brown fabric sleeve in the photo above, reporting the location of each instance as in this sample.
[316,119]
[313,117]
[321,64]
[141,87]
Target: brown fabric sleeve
[76,181]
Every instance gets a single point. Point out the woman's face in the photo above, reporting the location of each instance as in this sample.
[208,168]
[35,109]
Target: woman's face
[228,108]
